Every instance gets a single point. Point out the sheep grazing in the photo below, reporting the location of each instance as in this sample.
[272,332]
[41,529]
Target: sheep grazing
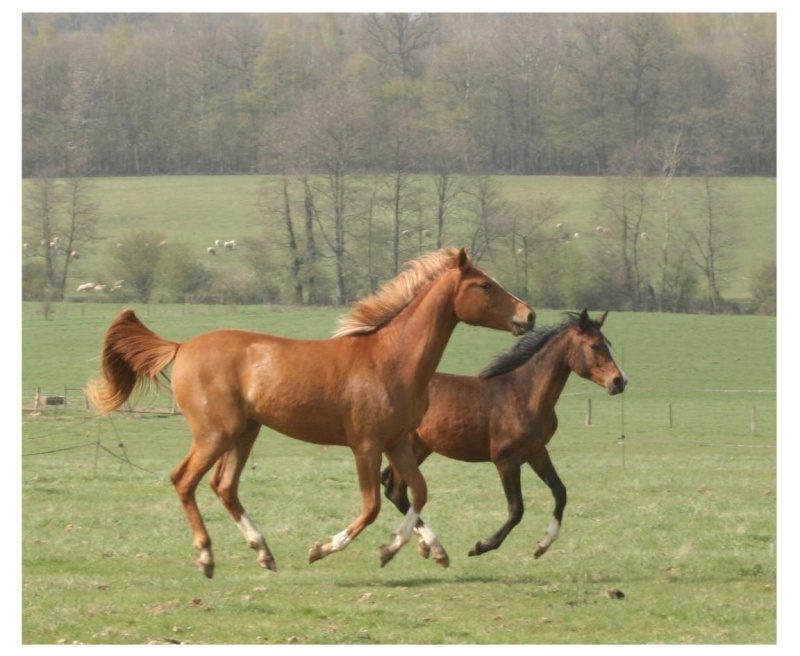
[75,255]
[210,250]
[230,245]
[217,243]
[100,288]
[86,287]
[406,233]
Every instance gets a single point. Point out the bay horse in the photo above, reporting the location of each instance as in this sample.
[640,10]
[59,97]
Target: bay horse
[365,388]
[506,415]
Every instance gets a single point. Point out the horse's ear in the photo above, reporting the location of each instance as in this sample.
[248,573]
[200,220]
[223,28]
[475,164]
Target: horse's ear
[583,320]
[600,321]
[463,259]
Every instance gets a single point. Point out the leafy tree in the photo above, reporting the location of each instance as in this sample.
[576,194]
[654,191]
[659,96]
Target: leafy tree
[135,260]
[179,273]
[765,289]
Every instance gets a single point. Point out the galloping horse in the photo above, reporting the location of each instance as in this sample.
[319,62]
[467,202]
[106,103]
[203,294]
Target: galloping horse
[366,388]
[506,414]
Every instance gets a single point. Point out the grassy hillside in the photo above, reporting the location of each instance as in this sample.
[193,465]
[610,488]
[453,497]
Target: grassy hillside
[199,210]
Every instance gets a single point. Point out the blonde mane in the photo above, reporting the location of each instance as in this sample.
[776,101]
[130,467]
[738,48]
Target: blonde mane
[371,313]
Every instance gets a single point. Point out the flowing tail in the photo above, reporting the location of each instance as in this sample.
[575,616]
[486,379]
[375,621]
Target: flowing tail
[132,355]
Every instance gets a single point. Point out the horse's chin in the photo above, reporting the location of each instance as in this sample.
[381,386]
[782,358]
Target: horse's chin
[518,329]
[613,389]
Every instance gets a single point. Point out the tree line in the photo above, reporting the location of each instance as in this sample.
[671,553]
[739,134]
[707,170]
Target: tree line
[328,239]
[397,94]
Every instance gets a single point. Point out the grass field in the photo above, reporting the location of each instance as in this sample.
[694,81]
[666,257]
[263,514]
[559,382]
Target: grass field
[682,520]
[200,209]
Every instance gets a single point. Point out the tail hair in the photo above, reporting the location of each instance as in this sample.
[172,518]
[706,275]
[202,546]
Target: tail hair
[133,356]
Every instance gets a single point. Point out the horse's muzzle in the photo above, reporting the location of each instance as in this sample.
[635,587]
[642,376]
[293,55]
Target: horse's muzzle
[617,386]
[521,327]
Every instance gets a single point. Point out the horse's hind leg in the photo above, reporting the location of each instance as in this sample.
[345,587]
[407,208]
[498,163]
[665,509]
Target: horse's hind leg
[225,483]
[543,466]
[405,472]
[185,477]
[510,476]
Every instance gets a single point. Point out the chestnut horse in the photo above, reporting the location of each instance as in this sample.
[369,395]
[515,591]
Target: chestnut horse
[506,414]
[365,388]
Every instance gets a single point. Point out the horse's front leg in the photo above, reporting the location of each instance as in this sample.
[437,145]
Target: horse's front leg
[509,471]
[405,471]
[368,467]
[544,468]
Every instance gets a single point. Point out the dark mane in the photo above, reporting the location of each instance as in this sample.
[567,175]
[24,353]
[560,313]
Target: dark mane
[529,345]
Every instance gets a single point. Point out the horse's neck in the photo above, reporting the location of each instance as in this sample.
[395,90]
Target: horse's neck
[416,338]
[546,374]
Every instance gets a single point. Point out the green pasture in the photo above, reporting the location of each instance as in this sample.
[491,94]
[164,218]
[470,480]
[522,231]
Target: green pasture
[682,519]
[198,210]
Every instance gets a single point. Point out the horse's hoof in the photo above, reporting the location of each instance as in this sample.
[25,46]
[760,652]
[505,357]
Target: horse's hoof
[477,550]
[423,549]
[442,561]
[206,568]
[386,554]
[541,550]
[269,563]
[315,553]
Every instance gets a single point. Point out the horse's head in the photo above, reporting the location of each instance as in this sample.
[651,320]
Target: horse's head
[482,301]
[590,356]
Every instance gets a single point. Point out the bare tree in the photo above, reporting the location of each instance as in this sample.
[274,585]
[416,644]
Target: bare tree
[627,205]
[61,219]
[670,160]
[486,214]
[398,39]
[708,242]
[275,202]
[447,188]
[524,237]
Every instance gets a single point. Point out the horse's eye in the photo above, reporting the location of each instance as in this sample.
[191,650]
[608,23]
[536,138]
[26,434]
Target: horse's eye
[486,285]
[595,346]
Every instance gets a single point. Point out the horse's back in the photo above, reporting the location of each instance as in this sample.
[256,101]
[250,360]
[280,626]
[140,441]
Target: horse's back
[229,377]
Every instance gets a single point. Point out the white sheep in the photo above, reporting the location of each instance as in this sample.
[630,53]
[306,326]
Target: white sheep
[86,287]
[210,250]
